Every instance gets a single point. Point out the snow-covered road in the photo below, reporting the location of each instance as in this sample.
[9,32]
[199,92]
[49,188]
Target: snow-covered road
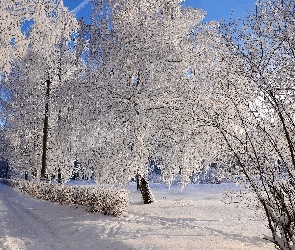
[26,223]
[192,219]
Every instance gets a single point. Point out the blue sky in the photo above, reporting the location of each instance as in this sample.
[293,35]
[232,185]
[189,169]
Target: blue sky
[216,9]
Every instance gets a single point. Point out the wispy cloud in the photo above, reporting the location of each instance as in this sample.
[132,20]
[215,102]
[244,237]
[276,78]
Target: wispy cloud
[81,6]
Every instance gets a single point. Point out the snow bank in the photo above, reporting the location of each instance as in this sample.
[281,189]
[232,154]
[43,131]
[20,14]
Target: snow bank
[95,199]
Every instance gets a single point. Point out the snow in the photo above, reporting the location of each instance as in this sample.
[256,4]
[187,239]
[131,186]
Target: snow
[195,218]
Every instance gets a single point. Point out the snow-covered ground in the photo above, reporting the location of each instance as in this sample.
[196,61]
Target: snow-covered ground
[195,218]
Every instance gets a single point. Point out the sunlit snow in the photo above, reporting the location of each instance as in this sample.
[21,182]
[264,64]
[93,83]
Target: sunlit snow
[195,218]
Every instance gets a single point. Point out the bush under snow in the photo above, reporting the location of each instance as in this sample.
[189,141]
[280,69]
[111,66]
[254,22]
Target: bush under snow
[94,199]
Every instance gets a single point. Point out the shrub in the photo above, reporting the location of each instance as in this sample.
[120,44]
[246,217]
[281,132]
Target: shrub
[109,201]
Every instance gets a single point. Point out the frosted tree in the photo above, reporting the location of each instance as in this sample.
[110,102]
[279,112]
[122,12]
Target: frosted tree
[246,103]
[13,43]
[45,27]
[23,129]
[140,69]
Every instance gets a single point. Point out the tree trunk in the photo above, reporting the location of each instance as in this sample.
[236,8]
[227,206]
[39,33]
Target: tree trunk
[45,130]
[146,191]
[6,170]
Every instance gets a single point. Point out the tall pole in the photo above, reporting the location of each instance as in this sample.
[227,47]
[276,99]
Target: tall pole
[45,130]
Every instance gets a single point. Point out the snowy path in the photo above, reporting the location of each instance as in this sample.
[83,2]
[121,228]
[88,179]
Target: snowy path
[31,224]
[193,219]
